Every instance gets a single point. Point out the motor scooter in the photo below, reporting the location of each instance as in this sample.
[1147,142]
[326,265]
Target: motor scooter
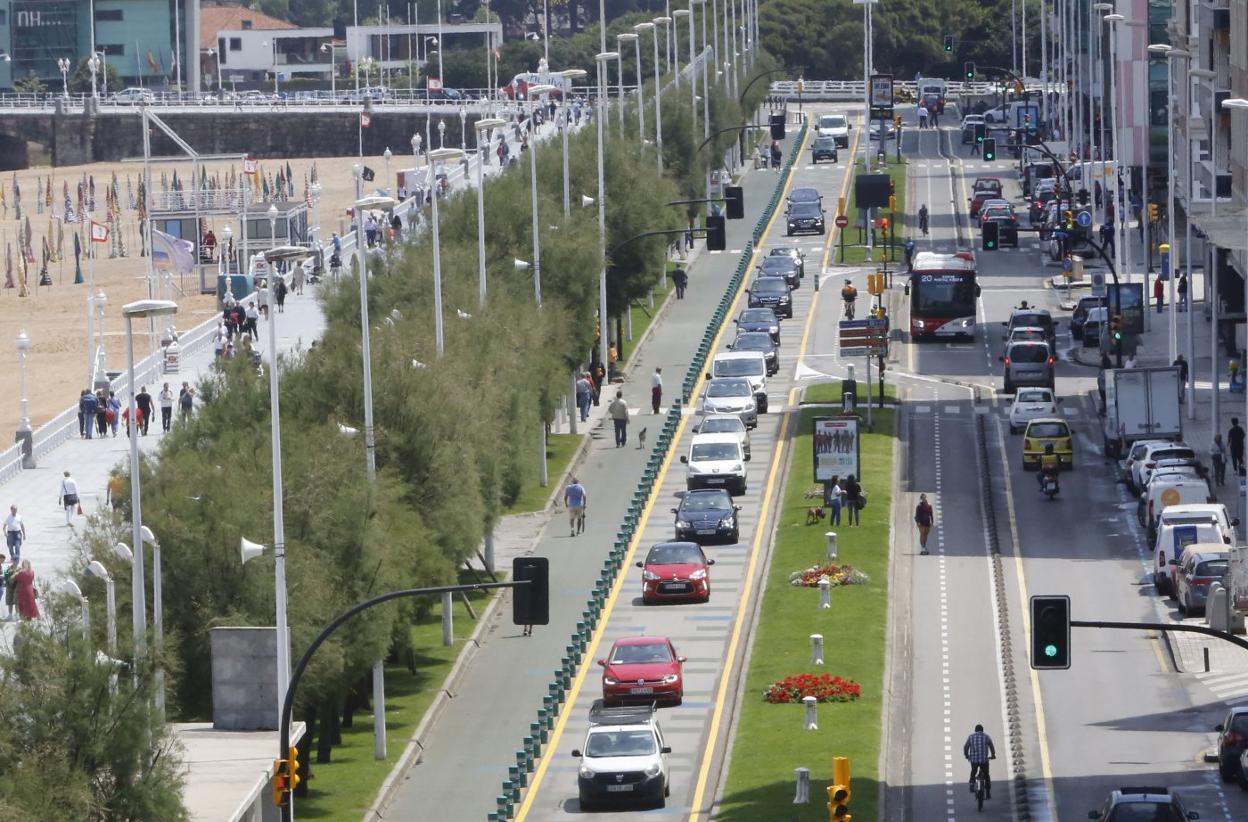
[1048,485]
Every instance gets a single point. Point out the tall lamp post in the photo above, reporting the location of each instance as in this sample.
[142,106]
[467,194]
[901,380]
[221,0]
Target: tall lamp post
[620,40]
[1232,104]
[96,568]
[571,75]
[25,435]
[602,58]
[1171,54]
[535,93]
[139,310]
[658,93]
[363,205]
[63,65]
[485,126]
[1115,116]
[68,586]
[640,29]
[93,64]
[436,157]
[677,16]
[158,612]
[272,43]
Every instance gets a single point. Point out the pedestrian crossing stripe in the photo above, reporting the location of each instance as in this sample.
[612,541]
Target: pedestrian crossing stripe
[1231,688]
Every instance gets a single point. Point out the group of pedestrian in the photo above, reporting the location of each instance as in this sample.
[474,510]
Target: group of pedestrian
[928,118]
[1180,292]
[588,389]
[100,413]
[19,577]
[844,495]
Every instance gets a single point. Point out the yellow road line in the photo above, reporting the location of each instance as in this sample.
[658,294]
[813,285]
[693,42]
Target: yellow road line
[609,606]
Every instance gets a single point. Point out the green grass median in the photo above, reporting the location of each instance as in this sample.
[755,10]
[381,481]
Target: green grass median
[533,496]
[855,253]
[770,740]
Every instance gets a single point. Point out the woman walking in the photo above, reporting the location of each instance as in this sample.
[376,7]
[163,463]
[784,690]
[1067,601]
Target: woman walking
[832,500]
[27,597]
[853,498]
[923,517]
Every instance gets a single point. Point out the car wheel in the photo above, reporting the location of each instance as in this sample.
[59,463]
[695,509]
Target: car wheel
[735,536]
[1014,429]
[1242,778]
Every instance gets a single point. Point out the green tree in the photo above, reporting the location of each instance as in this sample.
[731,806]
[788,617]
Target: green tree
[30,84]
[80,80]
[464,68]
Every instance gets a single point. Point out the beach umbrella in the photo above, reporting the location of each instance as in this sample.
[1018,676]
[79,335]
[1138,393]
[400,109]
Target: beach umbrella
[77,260]
[60,241]
[47,192]
[38,195]
[17,197]
[91,193]
[8,265]
[29,242]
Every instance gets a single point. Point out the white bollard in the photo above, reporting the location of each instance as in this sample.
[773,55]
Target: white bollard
[816,649]
[825,592]
[810,703]
[830,536]
[802,796]
[448,628]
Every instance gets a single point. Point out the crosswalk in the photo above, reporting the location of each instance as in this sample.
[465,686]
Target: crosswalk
[1230,687]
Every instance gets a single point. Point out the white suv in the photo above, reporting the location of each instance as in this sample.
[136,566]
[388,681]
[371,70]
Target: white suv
[835,126]
[624,758]
[716,461]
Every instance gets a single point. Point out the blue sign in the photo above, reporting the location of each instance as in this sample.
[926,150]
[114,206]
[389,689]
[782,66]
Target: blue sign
[1067,265]
[856,323]
[1084,219]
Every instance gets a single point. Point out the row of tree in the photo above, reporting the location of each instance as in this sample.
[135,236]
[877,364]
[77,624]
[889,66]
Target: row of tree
[457,439]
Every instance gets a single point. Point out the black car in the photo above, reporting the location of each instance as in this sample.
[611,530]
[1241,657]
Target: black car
[791,251]
[759,319]
[824,148]
[1232,740]
[1031,317]
[1152,804]
[773,293]
[805,194]
[805,217]
[781,267]
[1006,220]
[759,341]
[706,514]
[1080,315]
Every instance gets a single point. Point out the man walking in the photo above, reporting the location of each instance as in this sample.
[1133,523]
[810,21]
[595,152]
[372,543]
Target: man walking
[656,389]
[1181,364]
[69,498]
[618,409]
[923,517]
[1181,292]
[1235,439]
[681,280]
[166,407]
[144,401]
[574,497]
[1217,455]
[584,395]
[186,400]
[87,406]
[14,534]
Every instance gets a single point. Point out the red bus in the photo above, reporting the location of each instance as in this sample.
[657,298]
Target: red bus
[943,296]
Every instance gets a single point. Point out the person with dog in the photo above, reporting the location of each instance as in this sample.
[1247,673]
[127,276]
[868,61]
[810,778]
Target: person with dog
[832,495]
[924,516]
[574,497]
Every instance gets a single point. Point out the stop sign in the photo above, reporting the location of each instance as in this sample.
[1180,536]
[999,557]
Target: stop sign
[841,221]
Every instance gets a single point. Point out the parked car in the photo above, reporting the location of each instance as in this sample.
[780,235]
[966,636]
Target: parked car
[707,514]
[1080,314]
[731,395]
[1232,742]
[623,758]
[725,424]
[1142,468]
[1028,363]
[1030,404]
[1170,487]
[133,96]
[1199,570]
[773,293]
[643,669]
[675,572]
[759,319]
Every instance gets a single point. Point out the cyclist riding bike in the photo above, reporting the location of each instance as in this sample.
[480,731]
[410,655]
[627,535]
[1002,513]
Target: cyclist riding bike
[849,294]
[978,750]
[1050,466]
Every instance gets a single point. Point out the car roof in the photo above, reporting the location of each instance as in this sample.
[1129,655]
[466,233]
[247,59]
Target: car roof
[803,205]
[1019,343]
[1031,309]
[741,355]
[721,416]
[1019,328]
[974,118]
[779,260]
[600,714]
[728,380]
[779,250]
[1160,446]
[1133,794]
[716,437]
[761,308]
[1047,419]
[988,181]
[804,191]
[706,492]
[1193,508]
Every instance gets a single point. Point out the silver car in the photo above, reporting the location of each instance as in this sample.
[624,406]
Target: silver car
[1200,569]
[1028,363]
[731,395]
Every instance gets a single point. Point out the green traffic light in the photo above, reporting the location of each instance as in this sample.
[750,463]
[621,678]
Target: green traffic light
[1050,651]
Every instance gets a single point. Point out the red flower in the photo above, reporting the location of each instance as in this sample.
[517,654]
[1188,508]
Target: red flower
[823,687]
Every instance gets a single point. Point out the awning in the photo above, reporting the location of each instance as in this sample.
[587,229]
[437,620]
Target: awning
[1229,229]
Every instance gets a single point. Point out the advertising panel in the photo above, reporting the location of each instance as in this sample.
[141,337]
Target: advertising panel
[836,448]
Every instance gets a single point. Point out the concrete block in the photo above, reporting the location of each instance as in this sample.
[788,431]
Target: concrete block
[244,678]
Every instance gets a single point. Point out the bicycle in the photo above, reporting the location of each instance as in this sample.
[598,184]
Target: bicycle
[981,784]
[849,309]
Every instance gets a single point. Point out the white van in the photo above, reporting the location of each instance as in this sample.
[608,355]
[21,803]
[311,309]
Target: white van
[716,461]
[1169,489]
[836,126]
[749,364]
[1183,525]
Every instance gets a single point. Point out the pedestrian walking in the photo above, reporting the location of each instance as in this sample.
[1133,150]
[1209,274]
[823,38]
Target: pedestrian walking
[924,516]
[186,399]
[854,499]
[101,413]
[14,533]
[1181,364]
[27,594]
[144,401]
[114,490]
[1181,292]
[656,389]
[923,219]
[584,395]
[10,589]
[166,407]
[262,298]
[250,319]
[114,412]
[600,379]
[681,280]
[1159,293]
[922,113]
[618,409]
[297,276]
[68,496]
[1235,441]
[1107,238]
[833,499]
[82,413]
[575,498]
[279,294]
[1217,456]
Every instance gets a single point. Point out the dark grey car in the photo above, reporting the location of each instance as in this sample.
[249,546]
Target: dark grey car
[1028,363]
[805,217]
[759,319]
[781,267]
[773,293]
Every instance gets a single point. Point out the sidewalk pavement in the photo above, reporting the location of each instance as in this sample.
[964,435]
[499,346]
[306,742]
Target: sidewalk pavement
[466,751]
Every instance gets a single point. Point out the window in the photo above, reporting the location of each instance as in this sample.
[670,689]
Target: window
[236,44]
[4,17]
[108,15]
[246,25]
[112,49]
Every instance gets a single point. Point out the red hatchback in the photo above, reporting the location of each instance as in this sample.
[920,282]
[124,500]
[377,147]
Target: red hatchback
[642,669]
[675,572]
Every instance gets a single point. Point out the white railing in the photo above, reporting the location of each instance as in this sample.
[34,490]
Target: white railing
[10,463]
[205,199]
[855,89]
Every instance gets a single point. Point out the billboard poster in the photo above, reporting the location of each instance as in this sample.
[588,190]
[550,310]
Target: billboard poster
[1127,301]
[881,90]
[836,448]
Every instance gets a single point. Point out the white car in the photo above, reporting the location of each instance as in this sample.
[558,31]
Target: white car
[1030,404]
[1138,449]
[731,395]
[726,424]
[716,461]
[624,758]
[835,126]
[134,95]
[1143,468]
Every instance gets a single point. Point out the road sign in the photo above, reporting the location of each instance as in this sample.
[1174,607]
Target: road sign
[1098,284]
[1084,219]
[841,221]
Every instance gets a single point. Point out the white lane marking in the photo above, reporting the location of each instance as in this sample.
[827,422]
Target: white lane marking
[944,617]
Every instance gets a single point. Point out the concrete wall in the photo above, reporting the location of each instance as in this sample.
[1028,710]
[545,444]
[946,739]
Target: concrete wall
[244,679]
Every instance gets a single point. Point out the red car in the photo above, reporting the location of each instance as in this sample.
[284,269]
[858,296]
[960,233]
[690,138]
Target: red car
[677,572]
[986,188]
[642,669]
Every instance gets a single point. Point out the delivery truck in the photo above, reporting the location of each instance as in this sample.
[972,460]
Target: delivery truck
[1140,404]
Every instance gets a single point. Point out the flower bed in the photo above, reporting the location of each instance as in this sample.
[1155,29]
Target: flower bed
[823,687]
[836,574]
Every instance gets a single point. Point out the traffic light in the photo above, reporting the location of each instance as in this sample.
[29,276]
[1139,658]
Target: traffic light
[1153,213]
[990,148]
[839,793]
[968,70]
[992,235]
[892,203]
[715,240]
[980,131]
[1069,217]
[281,793]
[530,604]
[948,42]
[292,769]
[735,196]
[1050,632]
[1115,330]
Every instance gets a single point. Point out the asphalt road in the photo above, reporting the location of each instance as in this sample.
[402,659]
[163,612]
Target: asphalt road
[1120,715]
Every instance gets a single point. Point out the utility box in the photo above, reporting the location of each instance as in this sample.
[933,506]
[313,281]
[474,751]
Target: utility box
[244,679]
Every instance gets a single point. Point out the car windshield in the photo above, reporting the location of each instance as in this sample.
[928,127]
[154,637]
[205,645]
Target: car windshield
[706,502]
[743,367]
[621,743]
[1034,395]
[752,341]
[708,451]
[1048,429]
[987,186]
[758,315]
[647,652]
[942,295]
[779,265]
[721,425]
[675,553]
[1172,454]
[998,213]
[832,121]
[1144,812]
[770,285]
[784,251]
[728,388]
[804,208]
[825,142]
[804,195]
[1029,353]
[1027,334]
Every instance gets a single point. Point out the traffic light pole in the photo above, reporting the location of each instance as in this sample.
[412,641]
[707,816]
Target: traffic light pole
[1162,626]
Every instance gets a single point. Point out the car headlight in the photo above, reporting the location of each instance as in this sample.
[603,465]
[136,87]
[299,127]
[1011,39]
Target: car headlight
[774,329]
[738,467]
[608,680]
[727,521]
[693,469]
[683,523]
[671,679]
[698,574]
[918,324]
[653,770]
[650,576]
[586,773]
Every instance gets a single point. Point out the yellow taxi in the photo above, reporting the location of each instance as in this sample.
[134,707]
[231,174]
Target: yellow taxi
[1043,431]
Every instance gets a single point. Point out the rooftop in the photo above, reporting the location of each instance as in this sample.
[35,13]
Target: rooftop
[214,19]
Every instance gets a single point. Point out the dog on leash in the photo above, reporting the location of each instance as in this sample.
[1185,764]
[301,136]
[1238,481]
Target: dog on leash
[641,440]
[815,515]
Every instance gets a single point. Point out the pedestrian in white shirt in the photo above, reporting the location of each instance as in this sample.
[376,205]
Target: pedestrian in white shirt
[166,408]
[69,498]
[656,389]
[14,534]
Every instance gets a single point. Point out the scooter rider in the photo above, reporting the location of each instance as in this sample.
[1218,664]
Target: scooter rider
[1050,465]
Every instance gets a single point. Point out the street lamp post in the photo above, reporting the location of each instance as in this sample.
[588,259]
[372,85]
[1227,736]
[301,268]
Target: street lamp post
[158,612]
[211,52]
[96,568]
[325,47]
[25,435]
[272,44]
[362,205]
[602,58]
[463,128]
[570,75]
[535,93]
[63,64]
[1195,75]
[1171,54]
[675,36]
[1116,114]
[386,155]
[68,586]
[93,64]
[658,94]
[1232,104]
[620,40]
[139,310]
[485,125]
[435,160]
[641,104]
